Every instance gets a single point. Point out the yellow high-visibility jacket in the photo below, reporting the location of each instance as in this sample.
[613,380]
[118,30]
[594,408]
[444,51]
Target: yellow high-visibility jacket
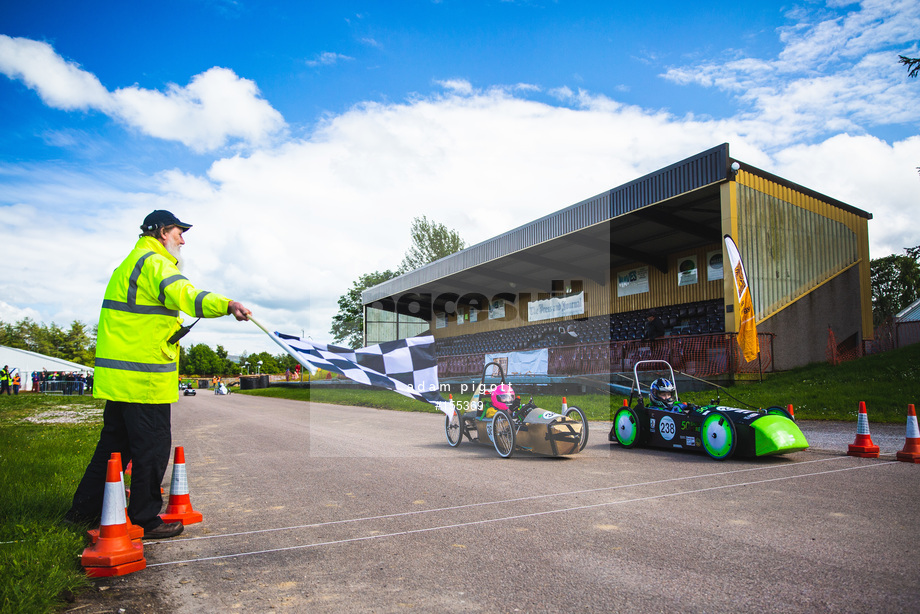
[134,361]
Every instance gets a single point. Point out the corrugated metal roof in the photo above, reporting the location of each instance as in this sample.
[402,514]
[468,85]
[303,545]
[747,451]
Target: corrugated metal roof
[911,313]
[708,167]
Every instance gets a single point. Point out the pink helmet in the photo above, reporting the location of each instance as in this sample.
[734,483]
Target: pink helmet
[503,396]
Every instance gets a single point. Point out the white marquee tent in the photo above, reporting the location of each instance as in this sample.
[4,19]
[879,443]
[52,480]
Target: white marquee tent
[26,362]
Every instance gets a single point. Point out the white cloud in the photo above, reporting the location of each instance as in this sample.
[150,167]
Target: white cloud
[327,58]
[10,313]
[61,84]
[217,106]
[457,86]
[837,71]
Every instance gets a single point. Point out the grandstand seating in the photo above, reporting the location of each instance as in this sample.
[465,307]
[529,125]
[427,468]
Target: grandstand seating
[704,317]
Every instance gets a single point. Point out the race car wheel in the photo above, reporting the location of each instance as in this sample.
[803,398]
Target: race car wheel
[503,434]
[453,430]
[718,434]
[626,427]
[575,413]
[776,410]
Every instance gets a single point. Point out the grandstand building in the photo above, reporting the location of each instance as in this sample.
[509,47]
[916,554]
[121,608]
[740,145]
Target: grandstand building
[569,294]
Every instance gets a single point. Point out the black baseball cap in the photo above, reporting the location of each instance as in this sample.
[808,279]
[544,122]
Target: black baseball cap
[161,219]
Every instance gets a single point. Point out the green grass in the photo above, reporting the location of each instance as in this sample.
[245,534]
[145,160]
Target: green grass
[887,383]
[40,466]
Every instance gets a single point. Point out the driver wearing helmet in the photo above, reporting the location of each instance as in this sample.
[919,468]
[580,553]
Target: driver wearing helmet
[661,394]
[503,398]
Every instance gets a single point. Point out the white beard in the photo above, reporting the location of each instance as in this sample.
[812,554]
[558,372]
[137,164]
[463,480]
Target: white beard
[174,248]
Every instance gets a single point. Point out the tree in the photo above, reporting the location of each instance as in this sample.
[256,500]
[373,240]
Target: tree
[895,283]
[77,344]
[913,69]
[430,241]
[269,363]
[348,324]
[913,65]
[201,360]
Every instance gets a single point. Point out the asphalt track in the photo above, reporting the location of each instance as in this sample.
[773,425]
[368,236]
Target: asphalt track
[320,508]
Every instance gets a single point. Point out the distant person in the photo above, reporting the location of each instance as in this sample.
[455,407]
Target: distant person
[654,327]
[136,370]
[5,379]
[17,382]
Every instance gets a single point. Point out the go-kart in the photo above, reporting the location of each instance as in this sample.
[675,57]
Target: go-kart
[188,391]
[722,432]
[520,427]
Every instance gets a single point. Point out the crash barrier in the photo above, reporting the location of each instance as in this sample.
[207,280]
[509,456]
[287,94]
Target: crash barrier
[700,355]
[251,382]
[63,387]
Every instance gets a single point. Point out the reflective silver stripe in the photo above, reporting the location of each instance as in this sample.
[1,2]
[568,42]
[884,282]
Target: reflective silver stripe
[148,310]
[135,274]
[143,367]
[199,304]
[166,282]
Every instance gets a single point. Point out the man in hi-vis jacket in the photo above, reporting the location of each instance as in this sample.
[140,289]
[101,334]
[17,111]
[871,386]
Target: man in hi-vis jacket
[137,372]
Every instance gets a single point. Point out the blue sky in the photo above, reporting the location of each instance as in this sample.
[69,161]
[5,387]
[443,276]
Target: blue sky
[301,138]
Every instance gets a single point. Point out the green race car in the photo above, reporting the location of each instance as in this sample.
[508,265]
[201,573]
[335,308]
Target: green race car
[658,419]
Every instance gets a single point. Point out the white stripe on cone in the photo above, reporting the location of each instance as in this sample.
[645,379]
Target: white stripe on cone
[179,484]
[862,424]
[912,431]
[113,513]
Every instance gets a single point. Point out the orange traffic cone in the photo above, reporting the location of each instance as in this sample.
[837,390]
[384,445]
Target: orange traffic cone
[863,446]
[113,554]
[565,405]
[134,531]
[911,451]
[180,506]
[791,411]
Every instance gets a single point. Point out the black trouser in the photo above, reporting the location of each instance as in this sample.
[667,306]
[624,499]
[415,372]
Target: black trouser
[141,433]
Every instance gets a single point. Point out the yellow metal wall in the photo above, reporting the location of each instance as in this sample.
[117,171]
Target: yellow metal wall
[791,243]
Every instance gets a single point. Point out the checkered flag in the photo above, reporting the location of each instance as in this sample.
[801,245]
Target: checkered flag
[407,366]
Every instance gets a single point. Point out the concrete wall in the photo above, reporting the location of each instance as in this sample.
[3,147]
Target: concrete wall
[801,328]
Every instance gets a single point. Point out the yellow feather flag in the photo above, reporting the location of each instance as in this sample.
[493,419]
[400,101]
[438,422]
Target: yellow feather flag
[747,333]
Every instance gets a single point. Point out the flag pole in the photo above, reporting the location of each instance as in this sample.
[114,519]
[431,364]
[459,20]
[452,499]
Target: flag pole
[284,346]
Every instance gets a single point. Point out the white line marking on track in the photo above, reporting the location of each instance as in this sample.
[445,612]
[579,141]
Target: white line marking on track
[485,503]
[520,516]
